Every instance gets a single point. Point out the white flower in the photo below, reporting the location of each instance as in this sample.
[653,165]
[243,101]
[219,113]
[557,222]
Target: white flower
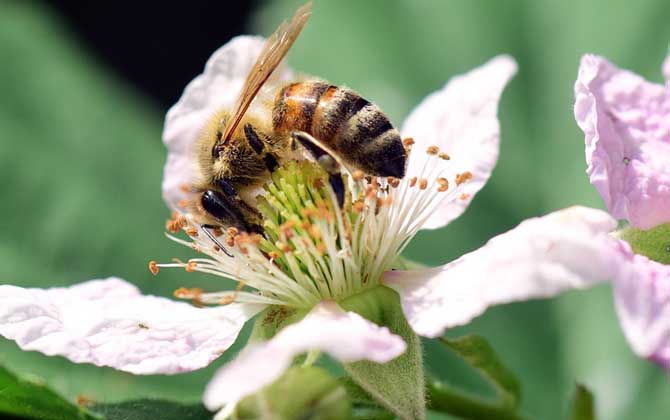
[321,255]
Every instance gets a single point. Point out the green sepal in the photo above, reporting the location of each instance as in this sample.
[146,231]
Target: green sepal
[653,243]
[32,399]
[272,319]
[582,405]
[301,393]
[399,384]
[481,357]
[479,354]
[150,409]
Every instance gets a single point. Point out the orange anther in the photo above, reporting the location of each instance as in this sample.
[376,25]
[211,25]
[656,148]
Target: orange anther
[433,150]
[444,156]
[192,231]
[423,183]
[358,175]
[464,177]
[412,181]
[190,266]
[408,141]
[153,267]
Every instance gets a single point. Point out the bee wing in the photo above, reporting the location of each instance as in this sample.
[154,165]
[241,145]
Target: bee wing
[274,50]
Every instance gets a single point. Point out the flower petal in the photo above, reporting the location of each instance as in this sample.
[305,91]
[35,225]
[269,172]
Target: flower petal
[217,87]
[346,336]
[461,119]
[642,298]
[626,125]
[567,249]
[110,323]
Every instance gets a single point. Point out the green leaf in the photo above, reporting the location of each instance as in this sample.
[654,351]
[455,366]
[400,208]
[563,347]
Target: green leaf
[399,384]
[32,399]
[301,393]
[479,354]
[653,243]
[582,405]
[152,409]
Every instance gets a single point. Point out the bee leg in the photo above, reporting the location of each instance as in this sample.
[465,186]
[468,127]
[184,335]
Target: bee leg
[258,145]
[326,161]
[229,208]
[212,238]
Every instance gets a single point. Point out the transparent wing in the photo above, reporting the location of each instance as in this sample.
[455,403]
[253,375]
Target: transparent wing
[274,50]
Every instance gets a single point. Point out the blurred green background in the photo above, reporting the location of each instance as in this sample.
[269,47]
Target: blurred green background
[81,163]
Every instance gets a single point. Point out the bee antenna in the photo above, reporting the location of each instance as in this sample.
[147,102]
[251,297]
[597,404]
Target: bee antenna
[216,241]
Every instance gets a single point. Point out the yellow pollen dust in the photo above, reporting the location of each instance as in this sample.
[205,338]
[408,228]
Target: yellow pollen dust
[464,177]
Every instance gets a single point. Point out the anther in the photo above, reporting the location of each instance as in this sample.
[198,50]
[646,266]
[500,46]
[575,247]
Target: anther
[217,232]
[358,175]
[394,182]
[273,255]
[433,150]
[444,156]
[423,183]
[358,206]
[232,231]
[314,232]
[464,177]
[407,142]
[464,196]
[153,267]
[412,181]
[190,266]
[192,231]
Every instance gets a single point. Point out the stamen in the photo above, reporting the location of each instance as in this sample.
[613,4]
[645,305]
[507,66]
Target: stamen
[153,267]
[433,150]
[444,156]
[463,177]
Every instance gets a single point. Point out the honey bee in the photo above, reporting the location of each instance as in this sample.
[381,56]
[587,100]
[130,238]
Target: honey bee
[237,152]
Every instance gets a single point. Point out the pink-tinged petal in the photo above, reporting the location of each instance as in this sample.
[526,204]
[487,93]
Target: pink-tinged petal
[346,336]
[461,119]
[567,249]
[642,298]
[110,323]
[626,123]
[216,88]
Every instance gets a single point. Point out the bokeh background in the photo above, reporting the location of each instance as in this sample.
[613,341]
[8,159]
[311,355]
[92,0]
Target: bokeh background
[83,92]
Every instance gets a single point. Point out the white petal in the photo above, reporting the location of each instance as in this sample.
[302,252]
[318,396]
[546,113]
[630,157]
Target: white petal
[567,249]
[461,119]
[216,88]
[110,323]
[642,298]
[346,336]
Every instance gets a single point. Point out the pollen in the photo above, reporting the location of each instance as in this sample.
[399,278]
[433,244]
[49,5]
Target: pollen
[185,188]
[444,156]
[190,266]
[394,182]
[433,150]
[175,224]
[192,231]
[464,196]
[232,231]
[408,142]
[217,232]
[358,175]
[184,203]
[423,183]
[464,177]
[412,181]
[153,267]
[358,206]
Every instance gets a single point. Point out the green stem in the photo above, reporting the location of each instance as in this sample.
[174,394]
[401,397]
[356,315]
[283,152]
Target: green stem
[449,401]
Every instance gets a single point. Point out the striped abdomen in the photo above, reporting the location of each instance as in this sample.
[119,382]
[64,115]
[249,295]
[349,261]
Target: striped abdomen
[352,126]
